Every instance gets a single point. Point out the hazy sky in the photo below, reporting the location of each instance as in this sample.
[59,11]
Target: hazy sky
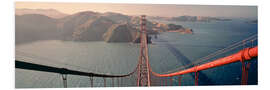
[166,10]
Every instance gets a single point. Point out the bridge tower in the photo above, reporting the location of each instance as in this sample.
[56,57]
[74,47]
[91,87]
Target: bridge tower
[143,78]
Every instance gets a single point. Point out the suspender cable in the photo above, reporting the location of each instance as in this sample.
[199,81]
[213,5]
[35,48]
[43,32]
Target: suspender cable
[171,79]
[245,69]
[104,83]
[196,78]
[179,80]
[91,81]
[118,83]
[64,77]
[112,82]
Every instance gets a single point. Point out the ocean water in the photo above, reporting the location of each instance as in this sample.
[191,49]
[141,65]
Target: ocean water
[167,53]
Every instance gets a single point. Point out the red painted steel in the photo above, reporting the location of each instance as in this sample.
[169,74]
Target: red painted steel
[179,80]
[245,54]
[143,78]
[245,68]
[196,78]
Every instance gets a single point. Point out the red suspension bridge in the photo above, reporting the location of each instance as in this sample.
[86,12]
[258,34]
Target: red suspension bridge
[145,76]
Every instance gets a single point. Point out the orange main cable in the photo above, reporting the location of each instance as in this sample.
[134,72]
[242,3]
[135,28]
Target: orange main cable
[245,54]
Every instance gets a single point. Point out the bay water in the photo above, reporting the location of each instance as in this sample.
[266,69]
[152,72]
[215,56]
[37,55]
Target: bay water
[167,53]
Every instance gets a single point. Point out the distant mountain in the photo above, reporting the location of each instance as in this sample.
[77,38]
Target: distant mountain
[252,22]
[47,12]
[190,18]
[158,18]
[33,27]
[197,19]
[86,26]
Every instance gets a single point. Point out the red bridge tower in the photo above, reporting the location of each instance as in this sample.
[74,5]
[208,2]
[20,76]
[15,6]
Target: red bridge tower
[143,78]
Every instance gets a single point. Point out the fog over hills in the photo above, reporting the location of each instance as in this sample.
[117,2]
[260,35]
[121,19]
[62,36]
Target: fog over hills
[47,12]
[33,27]
[84,26]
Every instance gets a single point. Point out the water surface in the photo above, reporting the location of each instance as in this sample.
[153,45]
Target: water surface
[167,53]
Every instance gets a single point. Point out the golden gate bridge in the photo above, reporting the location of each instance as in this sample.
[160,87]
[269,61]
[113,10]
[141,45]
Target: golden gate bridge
[144,74]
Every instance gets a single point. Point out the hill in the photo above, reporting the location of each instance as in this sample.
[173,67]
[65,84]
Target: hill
[87,26]
[69,24]
[120,33]
[92,30]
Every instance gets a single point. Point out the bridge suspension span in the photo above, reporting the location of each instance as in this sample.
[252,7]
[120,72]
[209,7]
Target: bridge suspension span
[143,74]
